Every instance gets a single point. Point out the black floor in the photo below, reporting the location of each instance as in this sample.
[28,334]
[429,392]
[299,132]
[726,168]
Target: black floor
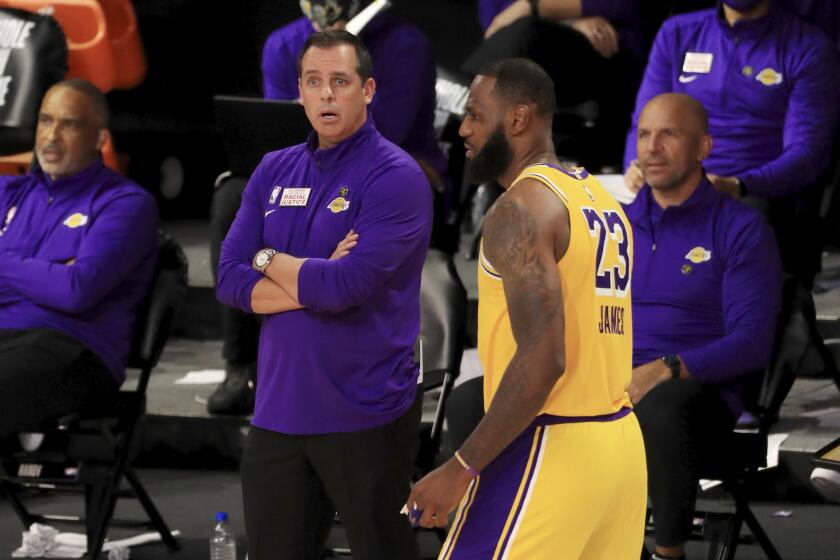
[188,500]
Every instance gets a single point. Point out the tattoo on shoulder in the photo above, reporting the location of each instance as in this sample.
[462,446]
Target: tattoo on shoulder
[510,244]
[510,241]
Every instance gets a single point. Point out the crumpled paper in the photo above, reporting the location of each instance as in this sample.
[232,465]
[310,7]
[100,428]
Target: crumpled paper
[44,541]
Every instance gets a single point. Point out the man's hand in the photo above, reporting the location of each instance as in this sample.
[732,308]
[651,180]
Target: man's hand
[633,177]
[726,185]
[515,11]
[600,33]
[646,377]
[439,493]
[343,248]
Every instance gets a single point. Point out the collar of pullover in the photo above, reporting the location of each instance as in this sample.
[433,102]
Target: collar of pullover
[646,205]
[748,28]
[66,186]
[347,148]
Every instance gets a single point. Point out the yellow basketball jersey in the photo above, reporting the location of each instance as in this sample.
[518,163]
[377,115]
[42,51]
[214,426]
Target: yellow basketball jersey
[595,276]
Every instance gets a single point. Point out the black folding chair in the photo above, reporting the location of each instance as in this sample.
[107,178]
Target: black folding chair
[743,453]
[443,318]
[96,446]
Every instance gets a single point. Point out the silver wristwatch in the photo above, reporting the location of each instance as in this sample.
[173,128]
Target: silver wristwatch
[262,259]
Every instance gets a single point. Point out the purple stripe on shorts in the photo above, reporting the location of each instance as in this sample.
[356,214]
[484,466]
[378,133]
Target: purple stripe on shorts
[549,419]
[499,483]
[521,504]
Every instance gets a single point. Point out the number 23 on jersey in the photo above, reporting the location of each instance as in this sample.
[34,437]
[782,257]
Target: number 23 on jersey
[612,257]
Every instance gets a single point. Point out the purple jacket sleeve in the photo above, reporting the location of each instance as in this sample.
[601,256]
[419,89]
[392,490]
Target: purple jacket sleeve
[244,238]
[122,235]
[393,224]
[810,124]
[657,80]
[409,74]
[752,285]
[279,68]
[488,9]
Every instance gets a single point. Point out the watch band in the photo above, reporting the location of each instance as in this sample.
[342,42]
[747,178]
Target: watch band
[674,364]
[269,253]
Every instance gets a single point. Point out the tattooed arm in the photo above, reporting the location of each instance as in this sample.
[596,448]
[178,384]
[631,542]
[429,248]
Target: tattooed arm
[525,234]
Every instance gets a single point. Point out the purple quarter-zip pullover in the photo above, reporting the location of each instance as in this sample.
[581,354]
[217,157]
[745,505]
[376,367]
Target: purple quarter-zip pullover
[404,71]
[345,362]
[102,221]
[770,85]
[707,285]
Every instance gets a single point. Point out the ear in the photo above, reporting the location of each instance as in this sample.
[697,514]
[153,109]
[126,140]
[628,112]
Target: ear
[518,118]
[705,147]
[103,136]
[369,89]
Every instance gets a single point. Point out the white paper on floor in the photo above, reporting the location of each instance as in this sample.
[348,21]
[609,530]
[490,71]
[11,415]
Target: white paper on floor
[44,541]
[774,443]
[202,377]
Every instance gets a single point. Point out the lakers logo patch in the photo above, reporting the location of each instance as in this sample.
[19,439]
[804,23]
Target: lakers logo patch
[76,220]
[338,204]
[769,77]
[699,255]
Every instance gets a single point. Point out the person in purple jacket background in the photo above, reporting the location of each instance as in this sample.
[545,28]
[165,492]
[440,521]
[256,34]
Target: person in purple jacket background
[770,84]
[706,295]
[337,403]
[404,69]
[78,244]
[593,49]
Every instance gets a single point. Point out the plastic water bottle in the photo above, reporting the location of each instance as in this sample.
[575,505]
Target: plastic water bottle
[222,541]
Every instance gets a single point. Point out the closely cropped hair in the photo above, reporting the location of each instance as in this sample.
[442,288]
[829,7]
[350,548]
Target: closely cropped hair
[520,80]
[94,95]
[333,38]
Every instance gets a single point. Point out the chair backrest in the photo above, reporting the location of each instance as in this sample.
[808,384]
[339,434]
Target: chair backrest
[155,315]
[123,33]
[33,56]
[84,25]
[794,338]
[443,313]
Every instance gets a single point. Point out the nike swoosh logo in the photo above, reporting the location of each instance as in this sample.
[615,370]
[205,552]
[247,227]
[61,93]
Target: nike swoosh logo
[269,212]
[687,79]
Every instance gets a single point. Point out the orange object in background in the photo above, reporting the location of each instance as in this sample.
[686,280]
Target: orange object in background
[126,44]
[90,54]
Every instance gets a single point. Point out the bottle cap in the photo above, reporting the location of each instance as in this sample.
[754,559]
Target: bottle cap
[221,516]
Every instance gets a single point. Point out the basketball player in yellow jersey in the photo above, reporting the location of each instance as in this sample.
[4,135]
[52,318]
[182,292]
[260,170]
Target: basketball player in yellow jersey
[556,468]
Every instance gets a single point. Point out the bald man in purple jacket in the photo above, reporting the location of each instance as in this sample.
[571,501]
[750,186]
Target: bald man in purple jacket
[770,84]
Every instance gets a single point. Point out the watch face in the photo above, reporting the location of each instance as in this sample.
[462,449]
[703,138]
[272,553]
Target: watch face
[262,259]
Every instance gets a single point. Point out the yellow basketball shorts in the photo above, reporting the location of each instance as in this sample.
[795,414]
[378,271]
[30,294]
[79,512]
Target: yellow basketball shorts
[566,488]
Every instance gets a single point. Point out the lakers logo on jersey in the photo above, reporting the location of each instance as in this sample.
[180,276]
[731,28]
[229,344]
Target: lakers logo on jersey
[769,77]
[76,220]
[699,255]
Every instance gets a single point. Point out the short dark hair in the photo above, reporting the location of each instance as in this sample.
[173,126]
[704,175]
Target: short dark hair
[520,80]
[97,99]
[334,38]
